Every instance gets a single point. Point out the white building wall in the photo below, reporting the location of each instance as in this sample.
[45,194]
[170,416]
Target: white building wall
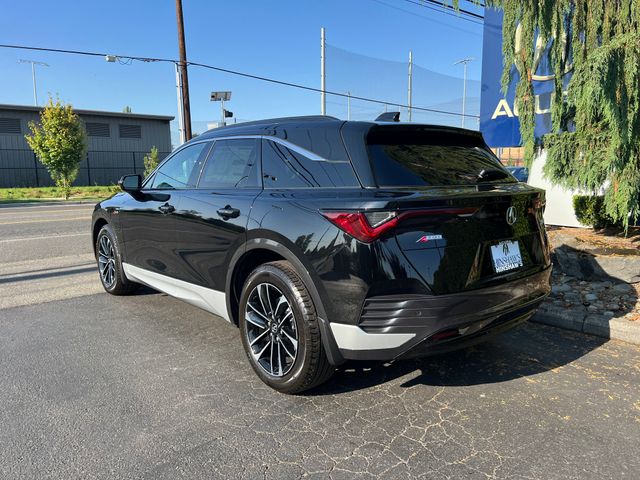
[559,209]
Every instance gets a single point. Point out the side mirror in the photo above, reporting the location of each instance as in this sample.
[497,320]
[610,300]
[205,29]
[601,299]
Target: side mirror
[130,183]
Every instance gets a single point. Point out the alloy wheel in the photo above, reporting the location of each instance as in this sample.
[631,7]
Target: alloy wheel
[106,261]
[271,330]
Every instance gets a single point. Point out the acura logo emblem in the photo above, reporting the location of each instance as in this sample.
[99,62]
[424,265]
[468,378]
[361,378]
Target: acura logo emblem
[511,215]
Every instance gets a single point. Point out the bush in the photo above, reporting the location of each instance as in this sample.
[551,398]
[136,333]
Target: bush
[59,141]
[590,211]
[151,161]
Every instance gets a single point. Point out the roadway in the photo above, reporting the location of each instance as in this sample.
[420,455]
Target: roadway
[145,386]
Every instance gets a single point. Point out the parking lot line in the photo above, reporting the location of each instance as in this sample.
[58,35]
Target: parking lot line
[57,213]
[46,220]
[42,237]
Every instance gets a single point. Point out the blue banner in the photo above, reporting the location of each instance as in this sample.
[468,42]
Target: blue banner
[498,115]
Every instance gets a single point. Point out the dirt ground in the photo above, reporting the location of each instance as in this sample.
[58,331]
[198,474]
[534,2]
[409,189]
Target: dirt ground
[607,241]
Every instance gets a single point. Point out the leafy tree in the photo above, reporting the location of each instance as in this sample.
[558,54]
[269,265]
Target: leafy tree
[150,161]
[59,141]
[127,109]
[596,114]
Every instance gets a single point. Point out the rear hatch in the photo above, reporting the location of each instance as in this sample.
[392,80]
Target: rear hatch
[463,221]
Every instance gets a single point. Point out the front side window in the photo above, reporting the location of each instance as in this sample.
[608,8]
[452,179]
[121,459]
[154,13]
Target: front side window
[232,164]
[179,171]
[285,168]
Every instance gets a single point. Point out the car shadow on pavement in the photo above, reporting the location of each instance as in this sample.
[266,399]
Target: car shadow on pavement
[524,352]
[584,305]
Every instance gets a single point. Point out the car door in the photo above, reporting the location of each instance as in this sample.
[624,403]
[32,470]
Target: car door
[211,220]
[146,218]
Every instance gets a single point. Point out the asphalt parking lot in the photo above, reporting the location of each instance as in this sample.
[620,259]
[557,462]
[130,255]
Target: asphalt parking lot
[145,386]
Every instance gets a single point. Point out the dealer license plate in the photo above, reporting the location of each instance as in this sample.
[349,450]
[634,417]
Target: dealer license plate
[506,256]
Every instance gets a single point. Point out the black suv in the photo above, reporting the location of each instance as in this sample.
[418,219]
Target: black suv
[326,240]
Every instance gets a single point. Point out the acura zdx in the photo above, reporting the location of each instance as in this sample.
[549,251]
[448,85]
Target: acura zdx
[326,240]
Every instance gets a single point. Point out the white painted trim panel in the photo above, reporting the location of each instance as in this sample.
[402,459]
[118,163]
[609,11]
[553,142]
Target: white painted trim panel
[351,337]
[210,300]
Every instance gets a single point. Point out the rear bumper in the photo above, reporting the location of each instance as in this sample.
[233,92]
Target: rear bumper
[402,326]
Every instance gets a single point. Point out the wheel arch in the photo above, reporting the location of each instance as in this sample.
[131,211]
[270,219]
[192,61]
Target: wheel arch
[97,226]
[260,251]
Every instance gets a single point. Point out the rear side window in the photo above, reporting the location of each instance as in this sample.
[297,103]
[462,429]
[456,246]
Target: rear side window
[232,164]
[429,158]
[286,168]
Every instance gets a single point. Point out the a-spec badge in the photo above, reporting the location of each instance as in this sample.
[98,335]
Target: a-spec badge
[426,238]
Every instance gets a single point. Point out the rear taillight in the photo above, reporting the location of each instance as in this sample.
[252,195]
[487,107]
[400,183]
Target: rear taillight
[360,227]
[368,226]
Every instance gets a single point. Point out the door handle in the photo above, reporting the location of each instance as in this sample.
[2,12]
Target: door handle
[166,208]
[228,212]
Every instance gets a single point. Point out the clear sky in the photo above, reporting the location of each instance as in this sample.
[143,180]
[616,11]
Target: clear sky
[279,39]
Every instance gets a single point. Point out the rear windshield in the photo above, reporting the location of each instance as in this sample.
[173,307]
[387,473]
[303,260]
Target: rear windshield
[418,157]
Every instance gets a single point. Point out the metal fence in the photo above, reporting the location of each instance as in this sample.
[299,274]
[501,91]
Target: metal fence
[21,168]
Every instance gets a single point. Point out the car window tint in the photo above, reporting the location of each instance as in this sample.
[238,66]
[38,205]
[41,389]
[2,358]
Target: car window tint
[285,168]
[232,164]
[177,171]
[409,158]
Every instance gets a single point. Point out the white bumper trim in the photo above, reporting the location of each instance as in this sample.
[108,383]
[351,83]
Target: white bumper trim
[210,300]
[352,337]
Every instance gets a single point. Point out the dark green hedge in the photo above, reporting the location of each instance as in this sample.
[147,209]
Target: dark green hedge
[590,211]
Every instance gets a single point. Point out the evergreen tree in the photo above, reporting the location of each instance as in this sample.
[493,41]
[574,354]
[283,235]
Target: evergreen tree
[595,141]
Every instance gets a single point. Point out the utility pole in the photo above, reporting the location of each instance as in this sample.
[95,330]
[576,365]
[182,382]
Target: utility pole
[323,78]
[464,62]
[348,105]
[410,82]
[183,72]
[33,77]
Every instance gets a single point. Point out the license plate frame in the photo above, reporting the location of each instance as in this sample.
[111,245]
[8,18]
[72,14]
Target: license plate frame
[506,256]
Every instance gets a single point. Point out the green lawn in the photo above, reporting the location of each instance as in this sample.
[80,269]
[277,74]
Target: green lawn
[15,195]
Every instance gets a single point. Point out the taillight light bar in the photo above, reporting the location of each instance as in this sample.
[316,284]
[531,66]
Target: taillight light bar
[356,225]
[369,226]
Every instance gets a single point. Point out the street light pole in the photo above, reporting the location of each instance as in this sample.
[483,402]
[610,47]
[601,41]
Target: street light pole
[183,71]
[180,104]
[33,77]
[410,93]
[221,96]
[464,62]
[323,77]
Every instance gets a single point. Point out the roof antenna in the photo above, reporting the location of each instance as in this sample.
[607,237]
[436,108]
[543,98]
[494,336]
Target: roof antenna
[388,117]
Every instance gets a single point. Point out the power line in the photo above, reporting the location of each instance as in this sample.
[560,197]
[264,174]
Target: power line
[431,19]
[232,72]
[466,14]
[444,5]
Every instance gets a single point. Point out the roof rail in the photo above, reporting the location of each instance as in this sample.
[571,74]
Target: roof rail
[303,118]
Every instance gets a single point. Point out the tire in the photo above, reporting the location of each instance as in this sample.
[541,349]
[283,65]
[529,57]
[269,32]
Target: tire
[301,370]
[109,262]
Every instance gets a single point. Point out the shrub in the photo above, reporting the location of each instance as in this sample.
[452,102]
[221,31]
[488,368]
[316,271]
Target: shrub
[150,161]
[59,141]
[590,210]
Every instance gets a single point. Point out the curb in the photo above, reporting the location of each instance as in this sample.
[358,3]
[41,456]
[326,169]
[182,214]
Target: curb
[598,325]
